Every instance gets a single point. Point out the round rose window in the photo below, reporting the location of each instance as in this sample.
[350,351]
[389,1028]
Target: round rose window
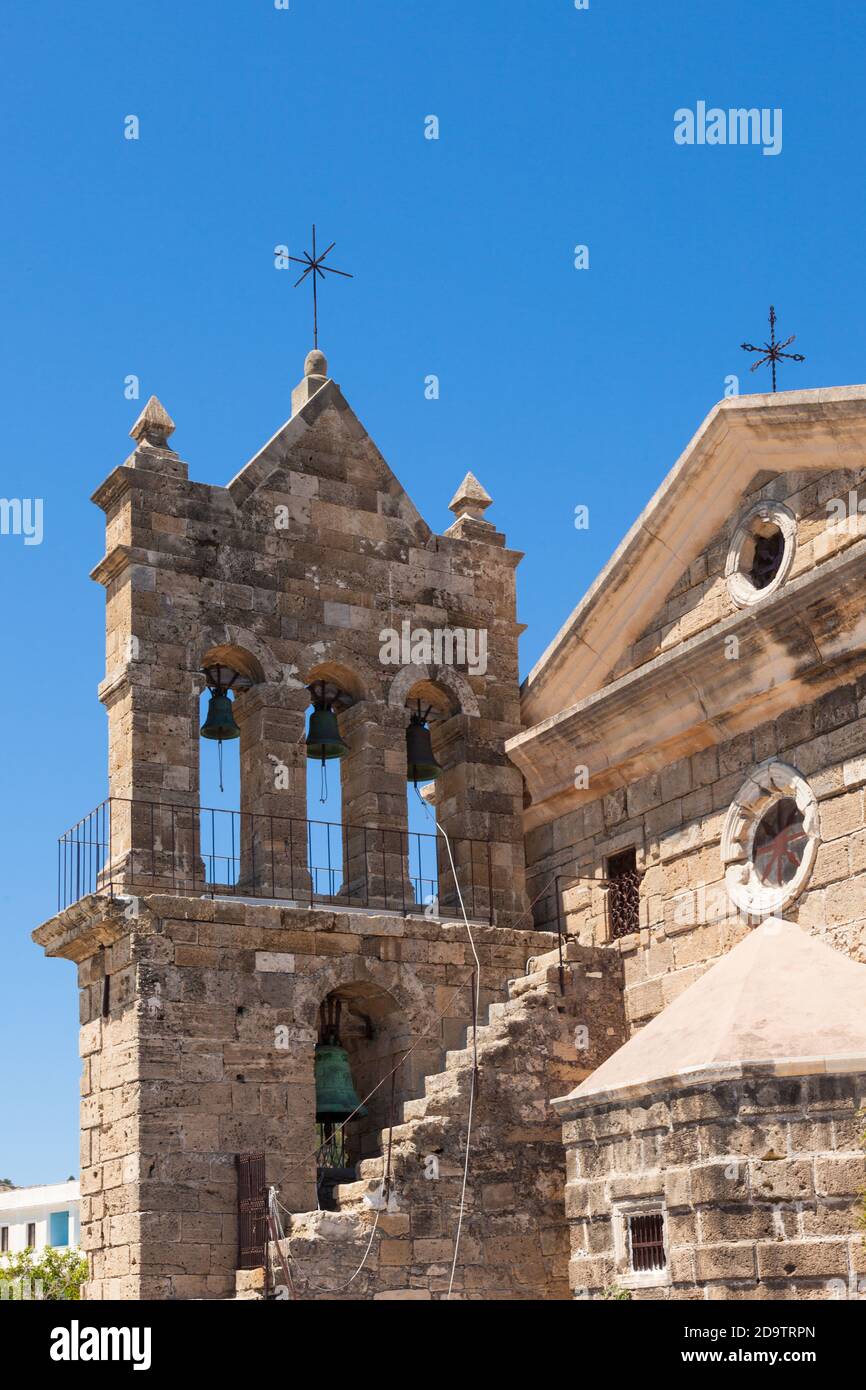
[780,843]
[770,839]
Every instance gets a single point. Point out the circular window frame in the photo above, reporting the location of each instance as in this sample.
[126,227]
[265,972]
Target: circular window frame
[741,551]
[770,782]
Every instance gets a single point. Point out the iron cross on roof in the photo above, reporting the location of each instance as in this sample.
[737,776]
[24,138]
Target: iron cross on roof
[314,263]
[772,350]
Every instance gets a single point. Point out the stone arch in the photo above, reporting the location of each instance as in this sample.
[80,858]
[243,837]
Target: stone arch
[382,1014]
[445,688]
[238,647]
[345,972]
[331,660]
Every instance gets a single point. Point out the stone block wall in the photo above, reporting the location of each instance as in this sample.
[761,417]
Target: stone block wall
[199,1023]
[760,1180]
[513,1243]
[674,818]
[292,574]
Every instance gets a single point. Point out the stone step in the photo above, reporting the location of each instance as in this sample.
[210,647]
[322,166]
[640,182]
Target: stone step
[540,979]
[571,951]
[426,1119]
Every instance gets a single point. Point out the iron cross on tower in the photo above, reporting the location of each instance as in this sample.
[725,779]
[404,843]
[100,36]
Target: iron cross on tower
[314,263]
[772,350]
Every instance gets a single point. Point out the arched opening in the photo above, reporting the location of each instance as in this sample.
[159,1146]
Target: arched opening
[428,706]
[333,688]
[227,673]
[363,1035]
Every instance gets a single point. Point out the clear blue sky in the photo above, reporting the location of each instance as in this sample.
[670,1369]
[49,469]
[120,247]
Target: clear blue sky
[558,387]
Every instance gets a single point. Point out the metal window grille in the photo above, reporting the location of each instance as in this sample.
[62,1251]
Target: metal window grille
[252,1210]
[646,1239]
[623,894]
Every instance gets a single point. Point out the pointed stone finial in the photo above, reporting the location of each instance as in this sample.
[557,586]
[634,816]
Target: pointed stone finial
[315,376]
[315,364]
[154,425]
[470,499]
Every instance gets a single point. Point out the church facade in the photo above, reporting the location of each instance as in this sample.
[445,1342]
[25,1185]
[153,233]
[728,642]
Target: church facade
[606,1023]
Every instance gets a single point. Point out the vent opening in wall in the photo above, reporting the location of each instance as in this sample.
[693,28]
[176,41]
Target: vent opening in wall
[646,1242]
[623,894]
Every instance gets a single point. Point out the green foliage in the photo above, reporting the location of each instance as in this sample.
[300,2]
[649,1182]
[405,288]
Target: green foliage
[61,1272]
[613,1292]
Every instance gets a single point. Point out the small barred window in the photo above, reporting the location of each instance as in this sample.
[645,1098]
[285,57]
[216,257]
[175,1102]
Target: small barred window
[623,894]
[646,1242]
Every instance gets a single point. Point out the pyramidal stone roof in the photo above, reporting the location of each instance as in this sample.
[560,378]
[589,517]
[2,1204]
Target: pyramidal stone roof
[780,1001]
[470,499]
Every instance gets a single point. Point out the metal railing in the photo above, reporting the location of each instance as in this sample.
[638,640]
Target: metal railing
[127,846]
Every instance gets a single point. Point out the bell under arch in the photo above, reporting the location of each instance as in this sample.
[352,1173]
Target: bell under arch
[330,691]
[225,671]
[363,1035]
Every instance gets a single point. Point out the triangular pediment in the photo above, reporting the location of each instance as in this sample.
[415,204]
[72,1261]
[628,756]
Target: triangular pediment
[742,440]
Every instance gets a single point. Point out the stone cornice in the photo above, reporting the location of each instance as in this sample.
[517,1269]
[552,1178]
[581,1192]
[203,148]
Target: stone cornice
[115,486]
[78,931]
[801,641]
[112,564]
[573,1107]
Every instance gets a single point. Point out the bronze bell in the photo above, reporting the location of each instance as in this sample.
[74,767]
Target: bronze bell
[421,766]
[323,736]
[336,1097]
[220,722]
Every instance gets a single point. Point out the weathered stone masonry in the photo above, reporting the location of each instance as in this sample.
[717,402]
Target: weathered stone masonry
[291,574]
[187,1067]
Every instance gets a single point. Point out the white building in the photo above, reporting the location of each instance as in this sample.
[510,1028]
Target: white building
[39,1216]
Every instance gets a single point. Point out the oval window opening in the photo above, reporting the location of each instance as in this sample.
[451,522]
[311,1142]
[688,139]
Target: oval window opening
[767,560]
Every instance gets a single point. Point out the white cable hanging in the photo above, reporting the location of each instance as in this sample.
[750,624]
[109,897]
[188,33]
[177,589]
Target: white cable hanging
[476,994]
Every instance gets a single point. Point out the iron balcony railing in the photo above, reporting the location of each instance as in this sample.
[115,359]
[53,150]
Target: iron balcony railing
[126,846]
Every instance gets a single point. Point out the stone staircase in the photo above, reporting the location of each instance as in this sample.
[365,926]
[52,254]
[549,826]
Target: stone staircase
[514,1240]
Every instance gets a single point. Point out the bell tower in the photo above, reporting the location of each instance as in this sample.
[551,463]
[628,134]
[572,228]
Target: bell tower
[327,620]
[286,586]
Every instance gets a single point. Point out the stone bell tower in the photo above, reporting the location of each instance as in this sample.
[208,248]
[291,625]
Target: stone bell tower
[203,970]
